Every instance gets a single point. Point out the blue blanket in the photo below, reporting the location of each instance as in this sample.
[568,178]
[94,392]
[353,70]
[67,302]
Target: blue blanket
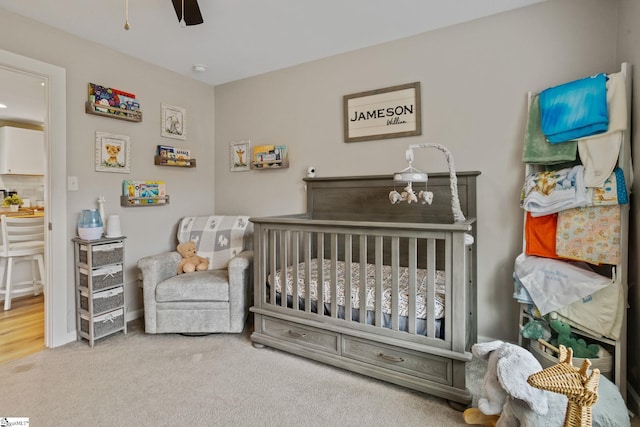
[574,110]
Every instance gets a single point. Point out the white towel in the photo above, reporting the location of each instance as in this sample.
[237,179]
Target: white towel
[599,154]
[599,157]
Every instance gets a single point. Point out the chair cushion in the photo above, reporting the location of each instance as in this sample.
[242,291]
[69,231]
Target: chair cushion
[210,285]
[218,238]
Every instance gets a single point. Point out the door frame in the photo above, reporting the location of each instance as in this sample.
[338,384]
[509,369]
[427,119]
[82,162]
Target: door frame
[58,297]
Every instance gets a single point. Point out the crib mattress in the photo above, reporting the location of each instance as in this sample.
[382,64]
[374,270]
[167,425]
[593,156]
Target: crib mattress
[403,302]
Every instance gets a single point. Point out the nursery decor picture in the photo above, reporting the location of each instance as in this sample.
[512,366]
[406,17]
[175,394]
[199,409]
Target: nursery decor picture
[112,153]
[173,122]
[391,112]
[240,156]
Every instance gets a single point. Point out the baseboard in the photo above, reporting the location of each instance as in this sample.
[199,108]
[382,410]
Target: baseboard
[133,315]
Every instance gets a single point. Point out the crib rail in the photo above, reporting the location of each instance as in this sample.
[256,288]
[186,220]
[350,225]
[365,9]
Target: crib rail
[295,241]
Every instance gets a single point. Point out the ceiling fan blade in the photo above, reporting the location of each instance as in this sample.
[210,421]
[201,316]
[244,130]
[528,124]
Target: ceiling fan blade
[192,15]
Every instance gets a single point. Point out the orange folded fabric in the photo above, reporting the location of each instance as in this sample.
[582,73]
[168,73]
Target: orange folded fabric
[540,235]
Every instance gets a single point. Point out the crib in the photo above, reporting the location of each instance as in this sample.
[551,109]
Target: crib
[387,291]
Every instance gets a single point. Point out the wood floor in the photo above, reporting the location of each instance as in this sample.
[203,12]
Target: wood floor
[22,328]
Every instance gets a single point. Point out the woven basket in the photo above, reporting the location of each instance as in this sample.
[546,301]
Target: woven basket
[546,355]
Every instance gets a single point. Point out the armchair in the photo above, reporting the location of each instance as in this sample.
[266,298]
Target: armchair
[215,300]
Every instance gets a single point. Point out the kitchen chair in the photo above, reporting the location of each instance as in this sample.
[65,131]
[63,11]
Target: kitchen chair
[22,240]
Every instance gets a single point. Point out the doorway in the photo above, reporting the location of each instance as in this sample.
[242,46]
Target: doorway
[58,294]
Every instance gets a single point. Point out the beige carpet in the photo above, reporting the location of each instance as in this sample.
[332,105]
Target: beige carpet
[214,380]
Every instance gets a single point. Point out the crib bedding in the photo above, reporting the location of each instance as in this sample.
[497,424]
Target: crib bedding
[387,297]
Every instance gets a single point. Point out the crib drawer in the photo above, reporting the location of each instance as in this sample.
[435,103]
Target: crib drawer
[304,335]
[433,368]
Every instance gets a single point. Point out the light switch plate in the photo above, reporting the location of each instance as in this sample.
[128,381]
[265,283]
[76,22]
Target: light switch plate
[72,183]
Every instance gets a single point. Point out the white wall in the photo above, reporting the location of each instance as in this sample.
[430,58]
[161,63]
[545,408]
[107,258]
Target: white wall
[149,230]
[474,81]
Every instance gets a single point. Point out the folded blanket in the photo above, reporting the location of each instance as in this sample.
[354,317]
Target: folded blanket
[590,234]
[549,192]
[575,109]
[612,192]
[599,154]
[553,284]
[540,235]
[537,149]
[598,313]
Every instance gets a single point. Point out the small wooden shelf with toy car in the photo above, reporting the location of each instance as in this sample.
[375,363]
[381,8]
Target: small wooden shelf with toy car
[118,113]
[164,161]
[127,201]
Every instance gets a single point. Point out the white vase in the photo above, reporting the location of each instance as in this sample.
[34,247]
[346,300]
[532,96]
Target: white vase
[14,208]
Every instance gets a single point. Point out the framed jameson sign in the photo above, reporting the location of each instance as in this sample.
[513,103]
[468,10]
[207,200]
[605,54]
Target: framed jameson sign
[391,112]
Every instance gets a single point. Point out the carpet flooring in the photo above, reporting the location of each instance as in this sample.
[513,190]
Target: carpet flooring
[214,380]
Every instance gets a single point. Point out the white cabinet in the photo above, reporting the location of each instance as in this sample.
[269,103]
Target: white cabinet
[21,151]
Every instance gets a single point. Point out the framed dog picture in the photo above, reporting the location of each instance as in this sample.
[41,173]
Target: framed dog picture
[112,153]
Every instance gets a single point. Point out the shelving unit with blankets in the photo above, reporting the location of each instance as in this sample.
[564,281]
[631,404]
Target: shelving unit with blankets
[573,269]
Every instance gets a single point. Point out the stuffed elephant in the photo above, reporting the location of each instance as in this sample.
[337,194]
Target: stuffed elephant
[505,383]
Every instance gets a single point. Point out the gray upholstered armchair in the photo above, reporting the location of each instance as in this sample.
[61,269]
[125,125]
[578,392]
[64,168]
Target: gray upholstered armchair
[215,300]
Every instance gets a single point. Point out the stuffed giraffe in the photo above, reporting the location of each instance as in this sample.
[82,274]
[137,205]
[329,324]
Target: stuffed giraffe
[581,389]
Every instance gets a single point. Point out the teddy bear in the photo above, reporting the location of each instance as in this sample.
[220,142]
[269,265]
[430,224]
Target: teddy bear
[578,345]
[190,261]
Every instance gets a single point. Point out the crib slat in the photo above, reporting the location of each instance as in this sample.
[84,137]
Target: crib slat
[282,237]
[430,298]
[295,261]
[260,260]
[412,288]
[320,284]
[272,265]
[448,309]
[334,276]
[307,271]
[395,280]
[348,258]
[378,282]
[363,279]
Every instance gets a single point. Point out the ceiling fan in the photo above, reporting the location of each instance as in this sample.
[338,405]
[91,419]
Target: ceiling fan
[188,12]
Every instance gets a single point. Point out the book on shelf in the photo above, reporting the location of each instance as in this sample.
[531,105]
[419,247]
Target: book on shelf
[105,97]
[144,192]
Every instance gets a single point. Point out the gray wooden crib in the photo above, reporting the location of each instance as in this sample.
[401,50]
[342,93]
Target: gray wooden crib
[414,269]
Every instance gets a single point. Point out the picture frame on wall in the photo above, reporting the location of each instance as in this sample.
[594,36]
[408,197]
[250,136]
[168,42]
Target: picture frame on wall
[390,112]
[173,122]
[240,156]
[112,153]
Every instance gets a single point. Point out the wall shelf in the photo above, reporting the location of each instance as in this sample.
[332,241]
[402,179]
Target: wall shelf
[127,201]
[131,116]
[163,161]
[276,164]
